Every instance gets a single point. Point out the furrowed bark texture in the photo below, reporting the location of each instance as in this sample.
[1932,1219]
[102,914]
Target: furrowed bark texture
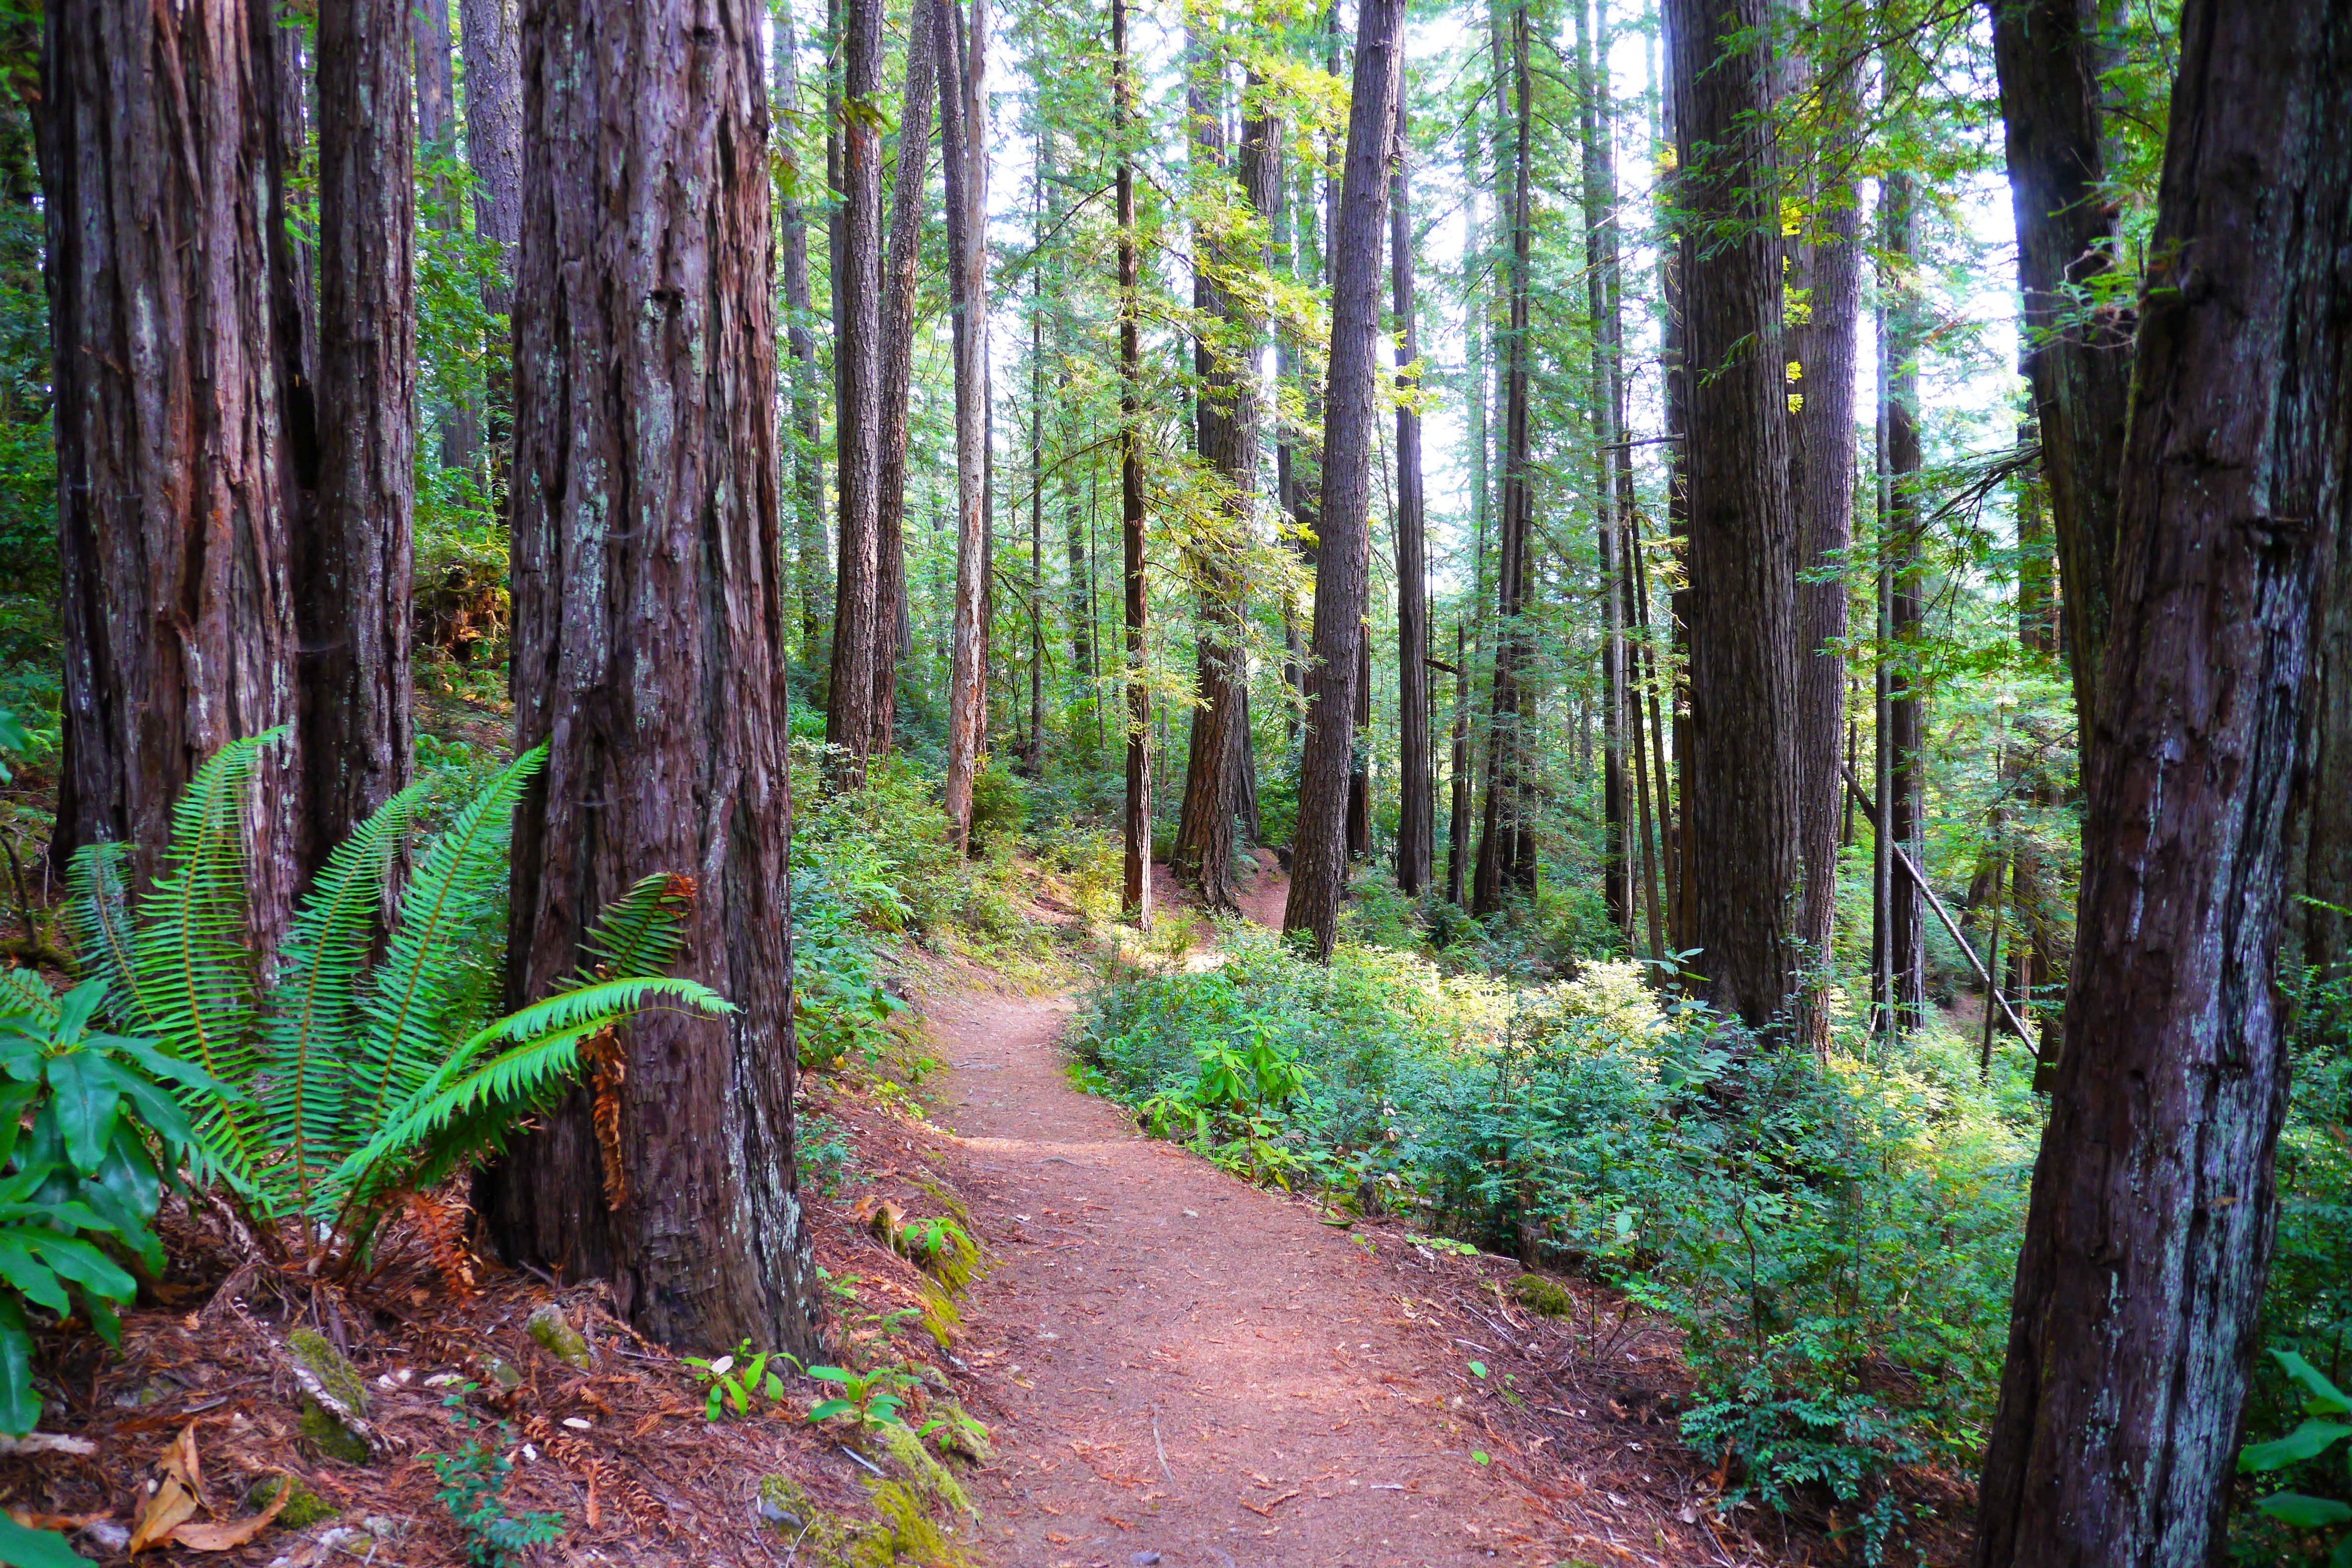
[2077,358]
[2148,1236]
[353,591]
[899,278]
[1416,788]
[178,622]
[1742,799]
[649,657]
[1822,494]
[857,368]
[1136,818]
[963,149]
[1229,415]
[1319,860]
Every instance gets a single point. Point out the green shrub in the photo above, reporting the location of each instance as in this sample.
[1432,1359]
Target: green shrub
[999,807]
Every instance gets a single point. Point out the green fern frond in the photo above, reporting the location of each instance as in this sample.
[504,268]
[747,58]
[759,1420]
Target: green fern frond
[642,931]
[599,1003]
[22,995]
[454,911]
[313,1019]
[191,960]
[98,913]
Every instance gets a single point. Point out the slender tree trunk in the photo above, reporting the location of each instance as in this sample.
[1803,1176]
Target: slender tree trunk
[1906,818]
[1416,802]
[1319,862]
[1676,395]
[1506,851]
[2149,1228]
[427,30]
[649,660]
[963,142]
[1823,433]
[1742,801]
[353,597]
[1137,821]
[157,132]
[857,369]
[899,275]
[1457,817]
[491,42]
[1616,857]
[811,577]
[2078,361]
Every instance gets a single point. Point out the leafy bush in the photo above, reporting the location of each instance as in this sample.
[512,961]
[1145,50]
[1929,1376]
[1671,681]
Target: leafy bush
[2307,1449]
[352,1080]
[77,1109]
[1836,1244]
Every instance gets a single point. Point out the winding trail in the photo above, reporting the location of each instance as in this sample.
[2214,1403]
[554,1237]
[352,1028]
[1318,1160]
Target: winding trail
[1189,1371]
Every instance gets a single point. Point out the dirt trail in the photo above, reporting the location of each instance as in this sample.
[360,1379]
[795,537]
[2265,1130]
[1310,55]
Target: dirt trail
[1192,1371]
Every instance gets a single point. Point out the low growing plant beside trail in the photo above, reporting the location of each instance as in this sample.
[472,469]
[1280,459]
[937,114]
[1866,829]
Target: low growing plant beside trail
[1835,1243]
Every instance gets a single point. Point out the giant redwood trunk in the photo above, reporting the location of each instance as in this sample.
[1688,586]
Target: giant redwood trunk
[2149,1232]
[2078,359]
[857,370]
[649,618]
[813,571]
[353,589]
[1742,795]
[1319,874]
[178,623]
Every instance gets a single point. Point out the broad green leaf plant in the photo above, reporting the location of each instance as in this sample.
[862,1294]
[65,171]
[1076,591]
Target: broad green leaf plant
[2328,1411]
[370,1064]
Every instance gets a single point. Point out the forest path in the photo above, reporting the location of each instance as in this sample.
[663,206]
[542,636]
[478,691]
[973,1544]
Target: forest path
[1187,1370]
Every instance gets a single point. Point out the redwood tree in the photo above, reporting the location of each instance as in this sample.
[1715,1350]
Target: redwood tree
[1136,816]
[899,279]
[857,370]
[963,149]
[178,624]
[1416,788]
[1742,795]
[1319,858]
[353,589]
[648,659]
[2153,1206]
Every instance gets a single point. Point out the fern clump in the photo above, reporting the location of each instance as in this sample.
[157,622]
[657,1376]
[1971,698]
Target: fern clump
[371,1064]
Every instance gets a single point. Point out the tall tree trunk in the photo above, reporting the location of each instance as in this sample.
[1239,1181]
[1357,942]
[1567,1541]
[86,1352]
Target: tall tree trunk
[1319,860]
[1457,816]
[179,628]
[1906,818]
[1416,801]
[1616,857]
[2078,360]
[1742,801]
[1135,884]
[1675,396]
[1505,839]
[649,620]
[491,42]
[811,577]
[294,320]
[963,142]
[1227,421]
[899,274]
[857,367]
[352,596]
[2149,1232]
[1822,494]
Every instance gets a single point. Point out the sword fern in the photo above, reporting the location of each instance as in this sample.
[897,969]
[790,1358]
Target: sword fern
[368,1065]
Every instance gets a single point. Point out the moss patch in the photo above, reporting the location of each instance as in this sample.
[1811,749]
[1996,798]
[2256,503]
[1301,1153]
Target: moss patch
[1541,1295]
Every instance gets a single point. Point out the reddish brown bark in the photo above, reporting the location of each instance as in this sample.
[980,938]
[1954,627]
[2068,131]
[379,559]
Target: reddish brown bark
[858,366]
[1136,883]
[2138,1288]
[1416,788]
[1320,857]
[649,657]
[178,622]
[899,279]
[352,593]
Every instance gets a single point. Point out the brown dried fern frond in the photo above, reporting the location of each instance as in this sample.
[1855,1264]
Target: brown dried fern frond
[608,1069]
[441,1222]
